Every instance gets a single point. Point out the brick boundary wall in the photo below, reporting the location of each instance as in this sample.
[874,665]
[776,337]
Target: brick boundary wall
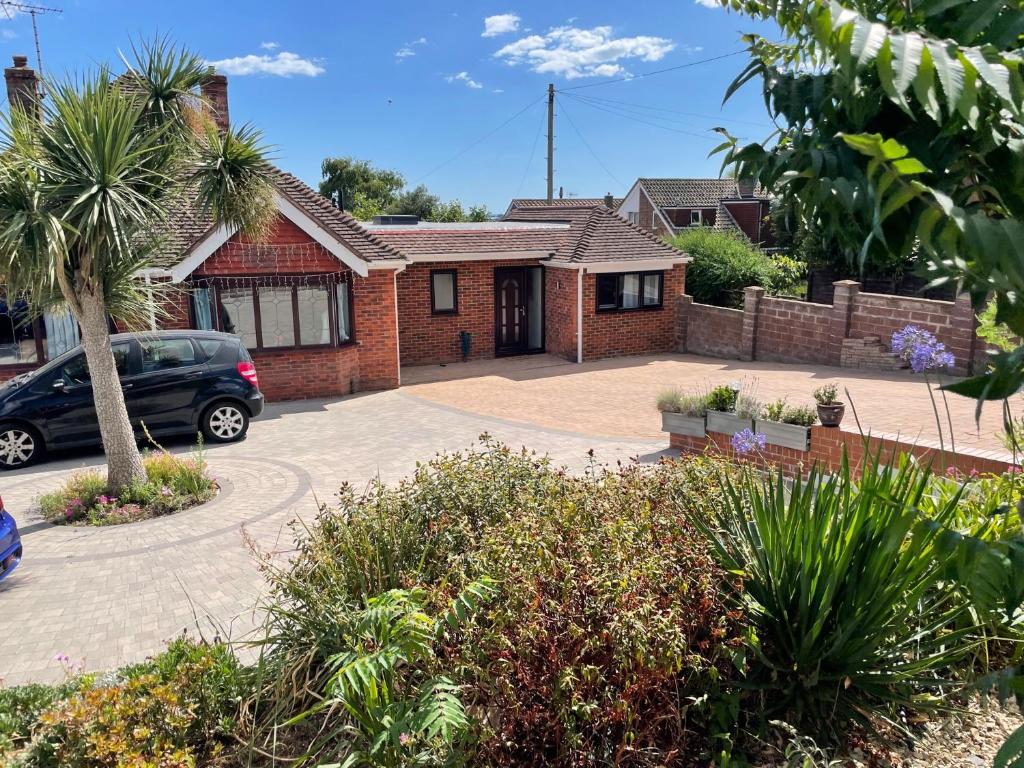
[828,443]
[792,331]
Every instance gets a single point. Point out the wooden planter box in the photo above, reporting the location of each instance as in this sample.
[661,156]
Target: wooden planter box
[727,423]
[679,424]
[786,435]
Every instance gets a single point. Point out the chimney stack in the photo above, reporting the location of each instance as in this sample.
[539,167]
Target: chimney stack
[22,86]
[745,187]
[215,90]
[609,201]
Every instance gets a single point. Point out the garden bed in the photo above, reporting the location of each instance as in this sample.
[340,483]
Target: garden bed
[173,483]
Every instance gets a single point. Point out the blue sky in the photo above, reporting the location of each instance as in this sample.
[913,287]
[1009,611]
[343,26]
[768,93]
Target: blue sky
[410,85]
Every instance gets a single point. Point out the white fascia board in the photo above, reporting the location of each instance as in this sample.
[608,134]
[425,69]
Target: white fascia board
[202,251]
[477,256]
[562,264]
[322,236]
[650,265]
[398,265]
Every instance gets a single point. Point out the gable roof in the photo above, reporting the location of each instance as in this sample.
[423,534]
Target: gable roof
[520,203]
[598,235]
[696,193]
[190,235]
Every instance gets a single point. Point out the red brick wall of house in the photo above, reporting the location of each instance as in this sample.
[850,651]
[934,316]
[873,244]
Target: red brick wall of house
[792,331]
[749,216]
[375,329]
[826,451]
[427,338]
[655,225]
[298,374]
[680,217]
[632,332]
[560,291]
[293,252]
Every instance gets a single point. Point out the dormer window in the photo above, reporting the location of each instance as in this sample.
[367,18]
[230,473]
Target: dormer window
[694,218]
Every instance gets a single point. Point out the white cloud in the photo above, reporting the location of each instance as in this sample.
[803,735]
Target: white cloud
[269,46]
[463,77]
[573,52]
[8,34]
[284,64]
[708,3]
[409,49]
[501,24]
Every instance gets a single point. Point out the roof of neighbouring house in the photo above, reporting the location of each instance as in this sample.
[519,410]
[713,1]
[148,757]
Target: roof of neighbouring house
[520,203]
[597,235]
[695,193]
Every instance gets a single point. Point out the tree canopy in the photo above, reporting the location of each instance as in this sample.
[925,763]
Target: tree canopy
[899,132]
[365,191]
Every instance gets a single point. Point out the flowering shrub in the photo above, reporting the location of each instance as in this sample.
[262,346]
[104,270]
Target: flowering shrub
[921,350]
[607,641]
[174,711]
[746,440]
[173,483]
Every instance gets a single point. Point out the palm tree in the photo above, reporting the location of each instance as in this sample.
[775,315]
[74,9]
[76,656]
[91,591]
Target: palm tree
[88,179]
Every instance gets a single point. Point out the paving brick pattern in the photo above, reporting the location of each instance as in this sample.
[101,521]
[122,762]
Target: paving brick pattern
[110,596]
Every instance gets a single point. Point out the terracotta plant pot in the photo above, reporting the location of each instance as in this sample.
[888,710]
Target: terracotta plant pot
[831,415]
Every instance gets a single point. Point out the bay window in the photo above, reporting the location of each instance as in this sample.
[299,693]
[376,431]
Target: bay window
[629,290]
[275,312]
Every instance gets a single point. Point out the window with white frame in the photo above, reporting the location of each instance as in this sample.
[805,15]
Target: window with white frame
[695,218]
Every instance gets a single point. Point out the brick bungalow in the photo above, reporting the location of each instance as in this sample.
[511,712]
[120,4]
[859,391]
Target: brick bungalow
[329,306]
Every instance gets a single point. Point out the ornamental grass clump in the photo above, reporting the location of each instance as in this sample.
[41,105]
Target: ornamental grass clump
[684,403]
[843,585]
[606,639]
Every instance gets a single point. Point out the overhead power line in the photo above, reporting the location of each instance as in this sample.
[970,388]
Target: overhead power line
[649,108]
[481,140]
[587,145]
[533,150]
[627,116]
[654,72]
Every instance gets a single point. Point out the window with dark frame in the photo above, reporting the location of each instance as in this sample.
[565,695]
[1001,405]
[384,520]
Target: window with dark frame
[444,292]
[276,314]
[626,291]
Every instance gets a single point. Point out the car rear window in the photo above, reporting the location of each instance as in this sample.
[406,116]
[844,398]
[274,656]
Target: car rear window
[161,354]
[210,347]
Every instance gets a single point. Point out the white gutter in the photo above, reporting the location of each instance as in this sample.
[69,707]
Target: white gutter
[579,316]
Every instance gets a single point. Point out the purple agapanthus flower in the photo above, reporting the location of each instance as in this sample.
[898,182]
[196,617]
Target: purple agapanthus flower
[921,350]
[746,441]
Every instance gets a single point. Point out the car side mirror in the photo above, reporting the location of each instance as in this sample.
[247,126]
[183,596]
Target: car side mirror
[58,385]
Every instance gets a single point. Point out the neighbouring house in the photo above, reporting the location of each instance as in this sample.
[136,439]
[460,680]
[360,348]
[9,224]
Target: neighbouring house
[531,203]
[668,206]
[328,305]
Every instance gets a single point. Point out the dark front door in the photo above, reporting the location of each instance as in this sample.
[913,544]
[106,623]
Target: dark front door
[510,331]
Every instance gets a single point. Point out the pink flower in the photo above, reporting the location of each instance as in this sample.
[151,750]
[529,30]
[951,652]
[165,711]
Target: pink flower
[165,491]
[104,500]
[404,739]
[63,658]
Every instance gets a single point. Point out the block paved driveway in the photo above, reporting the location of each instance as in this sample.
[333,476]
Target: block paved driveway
[109,596]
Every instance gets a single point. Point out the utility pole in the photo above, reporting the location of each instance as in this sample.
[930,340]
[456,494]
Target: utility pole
[551,142]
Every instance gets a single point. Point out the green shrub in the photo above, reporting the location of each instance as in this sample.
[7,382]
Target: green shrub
[827,394]
[172,483]
[748,406]
[674,401]
[21,706]
[722,398]
[175,711]
[801,415]
[724,263]
[773,411]
[843,584]
[607,638]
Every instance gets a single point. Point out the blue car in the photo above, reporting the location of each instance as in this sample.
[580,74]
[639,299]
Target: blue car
[10,543]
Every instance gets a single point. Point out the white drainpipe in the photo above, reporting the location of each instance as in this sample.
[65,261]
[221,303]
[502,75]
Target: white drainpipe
[579,315]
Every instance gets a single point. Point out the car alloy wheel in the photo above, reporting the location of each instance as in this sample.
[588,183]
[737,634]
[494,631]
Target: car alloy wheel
[17,447]
[226,422]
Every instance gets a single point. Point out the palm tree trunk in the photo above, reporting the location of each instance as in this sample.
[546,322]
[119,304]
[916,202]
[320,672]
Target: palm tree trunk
[124,463]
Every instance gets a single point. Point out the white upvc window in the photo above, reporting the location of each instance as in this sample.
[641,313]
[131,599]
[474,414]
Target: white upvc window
[694,218]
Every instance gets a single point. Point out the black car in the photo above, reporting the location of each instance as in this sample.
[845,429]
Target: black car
[174,382]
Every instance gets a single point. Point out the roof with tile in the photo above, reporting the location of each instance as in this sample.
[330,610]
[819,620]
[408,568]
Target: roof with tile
[520,203]
[684,193]
[427,239]
[187,226]
[597,234]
